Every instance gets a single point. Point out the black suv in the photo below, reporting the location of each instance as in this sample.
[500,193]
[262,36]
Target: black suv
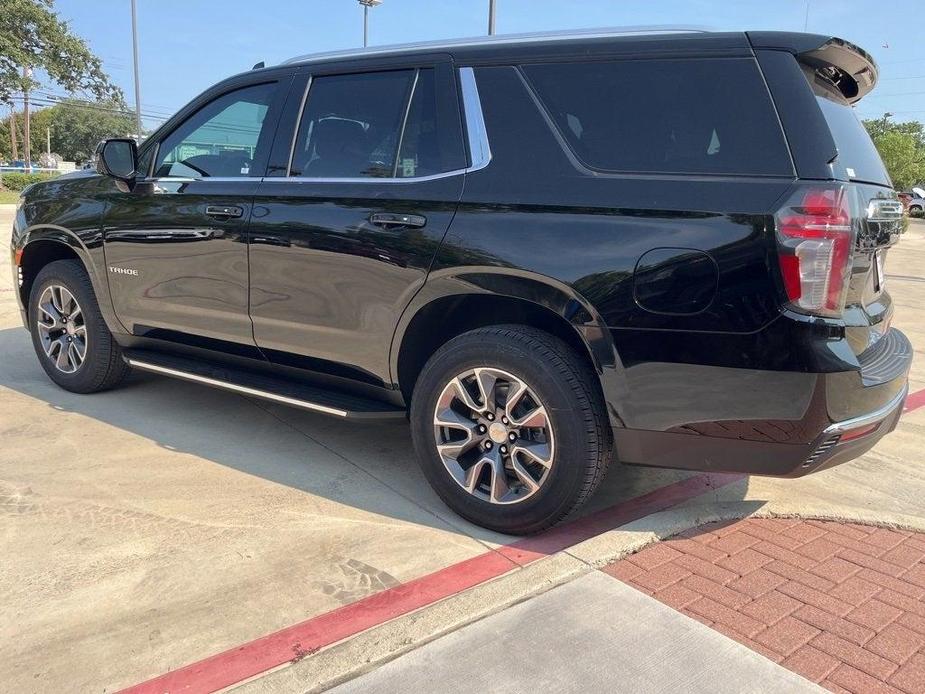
[544,250]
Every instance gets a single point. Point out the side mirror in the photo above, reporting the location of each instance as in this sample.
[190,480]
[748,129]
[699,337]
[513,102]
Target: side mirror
[118,158]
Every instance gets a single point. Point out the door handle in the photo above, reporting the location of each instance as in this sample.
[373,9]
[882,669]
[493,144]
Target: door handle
[224,211]
[392,219]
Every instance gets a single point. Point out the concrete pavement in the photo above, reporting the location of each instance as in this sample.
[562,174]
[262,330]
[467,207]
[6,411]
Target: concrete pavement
[593,634]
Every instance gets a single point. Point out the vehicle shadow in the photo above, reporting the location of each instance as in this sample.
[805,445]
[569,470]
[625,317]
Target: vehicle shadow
[368,466]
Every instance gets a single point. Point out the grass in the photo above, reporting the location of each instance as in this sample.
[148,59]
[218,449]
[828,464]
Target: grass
[9,197]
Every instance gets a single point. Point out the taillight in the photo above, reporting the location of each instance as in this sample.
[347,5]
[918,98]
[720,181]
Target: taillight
[815,239]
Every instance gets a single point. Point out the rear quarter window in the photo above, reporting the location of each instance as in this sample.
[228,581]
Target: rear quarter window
[858,159]
[690,116]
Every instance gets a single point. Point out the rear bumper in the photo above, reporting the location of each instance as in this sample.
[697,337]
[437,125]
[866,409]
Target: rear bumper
[844,415]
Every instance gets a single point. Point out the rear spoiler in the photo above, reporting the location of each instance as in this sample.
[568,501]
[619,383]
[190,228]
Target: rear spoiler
[849,67]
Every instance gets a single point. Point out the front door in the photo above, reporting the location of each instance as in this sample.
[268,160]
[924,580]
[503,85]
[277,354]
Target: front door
[339,246]
[176,246]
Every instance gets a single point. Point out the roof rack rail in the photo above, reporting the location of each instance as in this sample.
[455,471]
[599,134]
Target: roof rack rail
[502,39]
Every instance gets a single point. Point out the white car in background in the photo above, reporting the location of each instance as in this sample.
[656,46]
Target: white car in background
[917,202]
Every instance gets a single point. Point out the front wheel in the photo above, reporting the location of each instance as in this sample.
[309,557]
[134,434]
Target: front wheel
[510,428]
[70,337]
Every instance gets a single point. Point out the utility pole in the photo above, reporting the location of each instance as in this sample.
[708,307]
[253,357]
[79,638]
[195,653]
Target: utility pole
[48,141]
[491,17]
[26,145]
[137,82]
[366,5]
[13,142]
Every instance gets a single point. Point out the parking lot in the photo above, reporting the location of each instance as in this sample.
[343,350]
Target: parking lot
[165,525]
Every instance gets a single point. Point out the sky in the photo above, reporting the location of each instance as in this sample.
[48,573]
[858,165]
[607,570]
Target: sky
[188,45]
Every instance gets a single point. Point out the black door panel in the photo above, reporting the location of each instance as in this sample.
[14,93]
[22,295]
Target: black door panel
[338,249]
[173,266]
[327,284]
[176,246]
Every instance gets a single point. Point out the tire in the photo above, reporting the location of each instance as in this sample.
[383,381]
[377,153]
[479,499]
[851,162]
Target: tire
[578,440]
[101,367]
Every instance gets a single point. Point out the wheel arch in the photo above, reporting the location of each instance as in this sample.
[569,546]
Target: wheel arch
[452,303]
[46,244]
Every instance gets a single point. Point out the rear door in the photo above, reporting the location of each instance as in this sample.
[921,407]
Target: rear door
[367,172]
[176,246]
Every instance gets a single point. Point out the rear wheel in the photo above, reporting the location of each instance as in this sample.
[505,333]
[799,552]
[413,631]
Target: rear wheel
[510,428]
[70,337]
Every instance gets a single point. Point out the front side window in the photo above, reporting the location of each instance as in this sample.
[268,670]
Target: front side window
[393,124]
[711,116]
[220,139]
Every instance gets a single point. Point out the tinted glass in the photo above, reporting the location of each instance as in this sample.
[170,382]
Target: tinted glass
[432,142]
[858,158]
[351,125]
[665,116]
[220,139]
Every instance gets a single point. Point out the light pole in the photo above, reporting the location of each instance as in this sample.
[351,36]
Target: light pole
[491,17]
[26,131]
[137,87]
[366,5]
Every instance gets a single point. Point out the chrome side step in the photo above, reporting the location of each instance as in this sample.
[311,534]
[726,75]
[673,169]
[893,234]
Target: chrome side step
[302,396]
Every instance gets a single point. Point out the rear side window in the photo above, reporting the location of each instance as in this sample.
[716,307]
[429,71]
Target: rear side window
[696,116]
[432,140]
[351,125]
[379,125]
[858,158]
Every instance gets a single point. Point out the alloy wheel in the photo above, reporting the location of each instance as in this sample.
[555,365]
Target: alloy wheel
[62,329]
[494,436]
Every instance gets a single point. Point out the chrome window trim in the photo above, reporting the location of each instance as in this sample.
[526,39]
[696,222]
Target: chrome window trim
[185,179]
[362,179]
[479,148]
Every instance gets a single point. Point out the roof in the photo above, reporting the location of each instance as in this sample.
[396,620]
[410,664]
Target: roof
[500,41]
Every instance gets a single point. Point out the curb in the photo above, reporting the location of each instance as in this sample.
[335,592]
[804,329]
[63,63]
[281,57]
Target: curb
[374,647]
[377,646]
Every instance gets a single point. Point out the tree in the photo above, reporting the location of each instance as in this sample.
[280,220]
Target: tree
[32,36]
[902,148]
[881,126]
[76,127]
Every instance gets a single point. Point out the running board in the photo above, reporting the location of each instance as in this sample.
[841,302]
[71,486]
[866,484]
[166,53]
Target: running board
[256,385]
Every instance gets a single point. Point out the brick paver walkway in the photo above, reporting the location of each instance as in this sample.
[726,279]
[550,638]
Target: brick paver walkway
[841,604]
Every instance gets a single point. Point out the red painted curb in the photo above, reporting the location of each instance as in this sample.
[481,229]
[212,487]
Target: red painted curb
[295,642]
[914,400]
